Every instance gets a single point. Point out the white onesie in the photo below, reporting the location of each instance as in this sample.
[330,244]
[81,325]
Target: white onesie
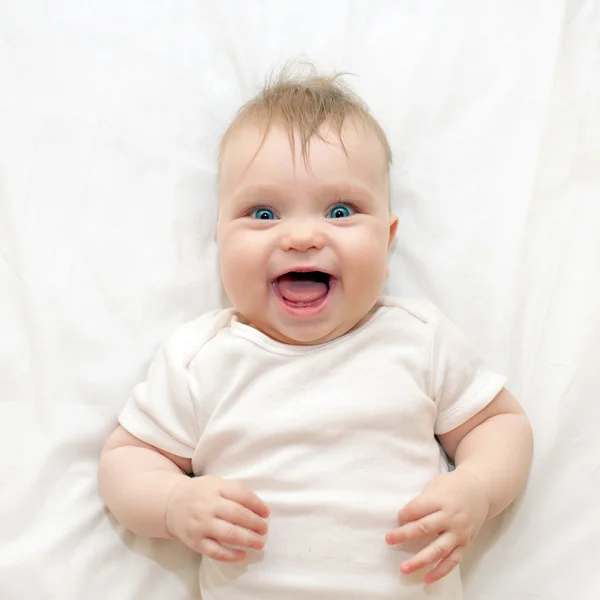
[335,438]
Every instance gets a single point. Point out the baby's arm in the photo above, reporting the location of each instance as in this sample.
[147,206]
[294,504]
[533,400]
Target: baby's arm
[492,452]
[136,480]
[496,447]
[149,492]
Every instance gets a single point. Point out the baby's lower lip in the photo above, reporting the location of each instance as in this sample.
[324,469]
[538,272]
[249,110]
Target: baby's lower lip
[305,309]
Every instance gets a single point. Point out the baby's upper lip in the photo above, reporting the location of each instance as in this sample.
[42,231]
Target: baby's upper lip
[304,269]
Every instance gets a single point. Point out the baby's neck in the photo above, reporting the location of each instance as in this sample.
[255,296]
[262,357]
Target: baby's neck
[279,337]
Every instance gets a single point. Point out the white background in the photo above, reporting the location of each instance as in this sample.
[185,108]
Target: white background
[110,114]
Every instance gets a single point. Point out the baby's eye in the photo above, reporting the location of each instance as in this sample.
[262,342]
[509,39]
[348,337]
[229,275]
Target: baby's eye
[264,214]
[340,211]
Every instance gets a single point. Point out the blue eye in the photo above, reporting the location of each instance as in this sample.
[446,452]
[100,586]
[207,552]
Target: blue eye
[340,211]
[264,214]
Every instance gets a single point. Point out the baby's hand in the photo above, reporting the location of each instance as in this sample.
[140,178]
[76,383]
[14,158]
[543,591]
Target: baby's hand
[207,512]
[452,507]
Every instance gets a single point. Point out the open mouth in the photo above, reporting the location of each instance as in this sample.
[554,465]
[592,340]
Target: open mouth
[303,289]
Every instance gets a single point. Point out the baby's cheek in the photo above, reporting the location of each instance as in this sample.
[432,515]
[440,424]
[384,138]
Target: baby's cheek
[369,257]
[366,277]
[234,273]
[237,254]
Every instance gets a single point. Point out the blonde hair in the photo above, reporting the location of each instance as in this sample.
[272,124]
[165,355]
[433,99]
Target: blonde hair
[302,104]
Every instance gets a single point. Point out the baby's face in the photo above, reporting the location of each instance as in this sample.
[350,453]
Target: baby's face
[304,247]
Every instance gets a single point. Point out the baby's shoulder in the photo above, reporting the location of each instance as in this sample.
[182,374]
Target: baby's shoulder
[416,310]
[188,339]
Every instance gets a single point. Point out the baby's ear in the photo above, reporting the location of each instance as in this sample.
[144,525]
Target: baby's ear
[393,229]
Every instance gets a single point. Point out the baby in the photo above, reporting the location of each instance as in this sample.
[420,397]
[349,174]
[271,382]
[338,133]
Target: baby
[315,415]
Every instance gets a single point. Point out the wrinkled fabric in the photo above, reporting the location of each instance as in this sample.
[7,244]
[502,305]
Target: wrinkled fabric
[110,116]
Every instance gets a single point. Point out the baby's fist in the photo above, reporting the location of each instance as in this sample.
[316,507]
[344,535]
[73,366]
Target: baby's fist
[206,513]
[452,510]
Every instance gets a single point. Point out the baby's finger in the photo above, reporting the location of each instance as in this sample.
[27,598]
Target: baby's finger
[216,551]
[228,533]
[236,492]
[419,507]
[432,554]
[450,562]
[424,528]
[239,515]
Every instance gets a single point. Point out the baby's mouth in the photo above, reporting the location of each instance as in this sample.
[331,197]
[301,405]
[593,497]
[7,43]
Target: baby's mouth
[300,288]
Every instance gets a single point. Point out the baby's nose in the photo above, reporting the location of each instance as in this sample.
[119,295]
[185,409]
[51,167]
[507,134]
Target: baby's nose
[302,238]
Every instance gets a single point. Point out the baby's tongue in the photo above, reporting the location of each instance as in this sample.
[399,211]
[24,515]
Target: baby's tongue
[301,287]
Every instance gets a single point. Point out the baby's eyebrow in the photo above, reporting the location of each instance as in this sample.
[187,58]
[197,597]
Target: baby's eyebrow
[261,188]
[351,191]
[329,192]
[258,192]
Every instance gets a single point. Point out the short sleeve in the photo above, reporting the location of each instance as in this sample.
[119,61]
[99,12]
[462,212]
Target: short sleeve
[160,410]
[163,410]
[460,383]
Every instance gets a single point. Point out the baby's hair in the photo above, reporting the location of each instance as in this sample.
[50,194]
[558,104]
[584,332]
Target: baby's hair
[302,103]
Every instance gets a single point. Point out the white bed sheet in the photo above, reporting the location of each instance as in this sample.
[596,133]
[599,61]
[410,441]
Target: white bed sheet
[110,112]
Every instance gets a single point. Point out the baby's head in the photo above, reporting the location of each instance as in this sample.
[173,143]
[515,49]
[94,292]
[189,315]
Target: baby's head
[304,222]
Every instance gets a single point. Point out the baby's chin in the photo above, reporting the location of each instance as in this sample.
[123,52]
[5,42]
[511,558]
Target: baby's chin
[303,334]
